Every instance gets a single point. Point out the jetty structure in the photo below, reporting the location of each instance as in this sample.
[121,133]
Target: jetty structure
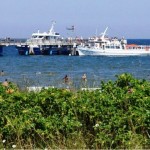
[44,43]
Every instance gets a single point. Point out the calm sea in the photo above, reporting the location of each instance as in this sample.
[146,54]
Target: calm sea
[50,70]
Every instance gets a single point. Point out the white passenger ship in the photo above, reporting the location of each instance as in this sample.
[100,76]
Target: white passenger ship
[45,43]
[111,47]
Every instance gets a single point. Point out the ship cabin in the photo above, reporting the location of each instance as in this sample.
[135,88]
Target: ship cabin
[49,36]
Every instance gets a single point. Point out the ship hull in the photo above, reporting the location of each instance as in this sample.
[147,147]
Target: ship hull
[43,50]
[23,50]
[112,52]
[64,50]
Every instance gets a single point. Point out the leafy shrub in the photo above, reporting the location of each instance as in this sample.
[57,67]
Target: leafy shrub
[115,117]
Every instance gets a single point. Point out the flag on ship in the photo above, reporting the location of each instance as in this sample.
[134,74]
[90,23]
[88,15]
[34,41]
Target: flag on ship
[70,28]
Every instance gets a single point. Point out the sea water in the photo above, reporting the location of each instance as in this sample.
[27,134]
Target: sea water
[50,70]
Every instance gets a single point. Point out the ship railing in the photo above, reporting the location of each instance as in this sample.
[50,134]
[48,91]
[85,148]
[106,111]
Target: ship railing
[49,42]
[142,47]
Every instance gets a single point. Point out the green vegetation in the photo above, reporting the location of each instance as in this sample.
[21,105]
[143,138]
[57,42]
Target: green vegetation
[115,117]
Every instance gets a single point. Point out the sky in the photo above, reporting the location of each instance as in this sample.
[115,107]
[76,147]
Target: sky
[124,18]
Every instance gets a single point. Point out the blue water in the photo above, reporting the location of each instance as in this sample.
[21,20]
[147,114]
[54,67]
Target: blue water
[139,41]
[50,70]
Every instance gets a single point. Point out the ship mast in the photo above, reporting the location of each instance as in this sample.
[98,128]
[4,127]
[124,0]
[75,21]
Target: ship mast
[52,27]
[104,33]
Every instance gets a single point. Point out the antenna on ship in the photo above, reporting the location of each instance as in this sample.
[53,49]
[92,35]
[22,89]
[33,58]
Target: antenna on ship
[96,32]
[52,27]
[104,33]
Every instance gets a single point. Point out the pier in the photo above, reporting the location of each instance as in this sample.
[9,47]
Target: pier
[72,44]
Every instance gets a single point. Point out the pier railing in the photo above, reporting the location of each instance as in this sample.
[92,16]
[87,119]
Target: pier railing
[38,42]
[48,42]
[12,43]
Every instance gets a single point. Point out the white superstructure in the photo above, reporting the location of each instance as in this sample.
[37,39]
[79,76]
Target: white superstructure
[44,37]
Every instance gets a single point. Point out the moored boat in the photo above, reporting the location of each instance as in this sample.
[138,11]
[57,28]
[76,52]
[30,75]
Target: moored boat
[105,46]
[45,43]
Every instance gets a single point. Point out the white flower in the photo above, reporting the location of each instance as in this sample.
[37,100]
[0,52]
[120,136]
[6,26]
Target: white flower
[97,125]
[4,141]
[13,146]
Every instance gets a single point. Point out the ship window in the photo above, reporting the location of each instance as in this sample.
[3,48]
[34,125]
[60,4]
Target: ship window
[34,36]
[46,37]
[40,36]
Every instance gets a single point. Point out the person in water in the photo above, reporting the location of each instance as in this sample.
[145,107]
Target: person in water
[2,73]
[84,80]
[84,77]
[5,83]
[66,79]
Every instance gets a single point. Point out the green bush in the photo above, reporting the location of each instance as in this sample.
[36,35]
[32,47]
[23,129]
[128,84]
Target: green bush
[115,117]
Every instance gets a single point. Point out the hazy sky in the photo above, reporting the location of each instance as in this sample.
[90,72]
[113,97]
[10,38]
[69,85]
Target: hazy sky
[128,18]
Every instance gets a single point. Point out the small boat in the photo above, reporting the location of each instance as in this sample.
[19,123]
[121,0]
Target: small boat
[1,50]
[45,43]
[105,46]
